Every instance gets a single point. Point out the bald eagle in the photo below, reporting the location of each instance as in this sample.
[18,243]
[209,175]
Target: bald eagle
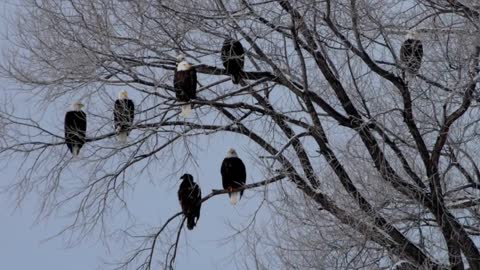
[234,175]
[411,53]
[123,114]
[75,128]
[185,84]
[233,58]
[190,197]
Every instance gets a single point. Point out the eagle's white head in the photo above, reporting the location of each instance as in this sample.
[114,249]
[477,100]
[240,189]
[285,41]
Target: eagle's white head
[77,106]
[183,66]
[123,94]
[181,57]
[412,34]
[231,153]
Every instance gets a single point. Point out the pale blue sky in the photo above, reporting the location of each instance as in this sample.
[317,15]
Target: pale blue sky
[22,244]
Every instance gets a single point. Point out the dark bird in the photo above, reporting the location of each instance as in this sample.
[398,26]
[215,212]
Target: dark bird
[411,53]
[75,128]
[123,114]
[234,175]
[233,58]
[190,197]
[185,84]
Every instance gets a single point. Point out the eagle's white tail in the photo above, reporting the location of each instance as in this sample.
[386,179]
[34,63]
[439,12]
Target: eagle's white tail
[186,110]
[234,197]
[409,77]
[75,151]
[122,137]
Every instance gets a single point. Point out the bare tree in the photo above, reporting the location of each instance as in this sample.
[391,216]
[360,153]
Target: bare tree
[382,167]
